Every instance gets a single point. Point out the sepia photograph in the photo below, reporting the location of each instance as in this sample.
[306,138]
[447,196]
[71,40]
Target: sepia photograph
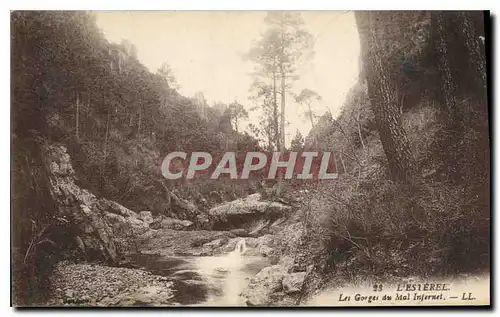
[250,158]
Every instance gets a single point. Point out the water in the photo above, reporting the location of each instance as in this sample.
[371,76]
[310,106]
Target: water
[207,280]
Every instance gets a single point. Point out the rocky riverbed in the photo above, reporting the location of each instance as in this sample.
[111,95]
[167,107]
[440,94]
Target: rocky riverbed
[86,284]
[229,254]
[225,271]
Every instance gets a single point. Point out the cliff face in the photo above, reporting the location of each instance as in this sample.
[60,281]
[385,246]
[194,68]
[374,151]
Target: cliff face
[102,229]
[65,217]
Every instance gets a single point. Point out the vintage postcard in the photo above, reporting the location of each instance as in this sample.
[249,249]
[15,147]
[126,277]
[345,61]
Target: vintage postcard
[250,158]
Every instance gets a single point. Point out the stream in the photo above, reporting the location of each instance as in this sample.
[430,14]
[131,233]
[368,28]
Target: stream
[206,280]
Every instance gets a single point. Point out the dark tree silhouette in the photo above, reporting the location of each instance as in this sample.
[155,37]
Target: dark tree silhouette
[382,95]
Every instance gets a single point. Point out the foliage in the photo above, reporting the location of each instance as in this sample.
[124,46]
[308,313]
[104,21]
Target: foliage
[236,112]
[364,223]
[167,73]
[306,99]
[297,143]
[277,56]
[128,117]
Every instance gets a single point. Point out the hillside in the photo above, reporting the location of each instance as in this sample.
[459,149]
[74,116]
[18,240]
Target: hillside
[117,120]
[373,225]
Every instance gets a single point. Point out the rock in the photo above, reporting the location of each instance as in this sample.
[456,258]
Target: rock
[126,230]
[146,235]
[267,282]
[156,224]
[203,220]
[213,244]
[97,285]
[138,226]
[231,245]
[186,223]
[265,251]
[186,242]
[248,206]
[105,227]
[175,224]
[216,196]
[80,244]
[240,232]
[149,295]
[260,226]
[267,239]
[182,208]
[146,216]
[194,283]
[186,275]
[85,298]
[293,282]
[252,242]
[288,263]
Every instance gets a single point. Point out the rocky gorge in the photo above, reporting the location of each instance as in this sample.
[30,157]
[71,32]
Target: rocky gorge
[120,257]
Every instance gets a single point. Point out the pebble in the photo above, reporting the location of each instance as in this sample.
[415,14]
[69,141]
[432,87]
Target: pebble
[99,285]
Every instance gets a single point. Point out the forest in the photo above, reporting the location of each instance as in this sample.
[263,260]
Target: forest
[91,125]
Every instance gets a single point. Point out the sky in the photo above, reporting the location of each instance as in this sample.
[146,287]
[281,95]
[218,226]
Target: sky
[205,50]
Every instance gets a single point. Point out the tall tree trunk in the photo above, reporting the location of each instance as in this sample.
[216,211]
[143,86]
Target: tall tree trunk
[139,123]
[460,59]
[282,128]
[77,116]
[335,163]
[283,88]
[310,115]
[476,53]
[383,100]
[108,122]
[359,130]
[316,146]
[443,32]
[277,137]
[342,162]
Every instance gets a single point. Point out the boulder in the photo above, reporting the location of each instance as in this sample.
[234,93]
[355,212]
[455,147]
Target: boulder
[240,232]
[144,296]
[213,244]
[265,251]
[186,275]
[231,245]
[252,242]
[175,224]
[125,227]
[262,286]
[265,245]
[146,216]
[147,235]
[288,263]
[113,207]
[249,205]
[293,282]
[203,221]
[182,208]
[260,226]
[185,242]
[216,196]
